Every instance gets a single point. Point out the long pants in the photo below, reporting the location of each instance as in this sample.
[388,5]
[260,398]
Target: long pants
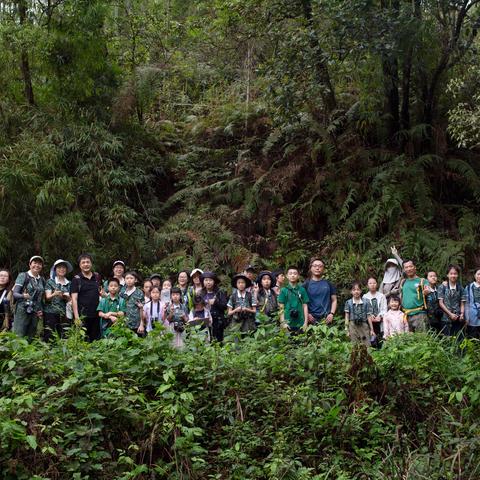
[92,325]
[418,322]
[53,323]
[454,329]
[25,325]
[359,333]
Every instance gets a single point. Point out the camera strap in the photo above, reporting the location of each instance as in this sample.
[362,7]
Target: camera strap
[3,295]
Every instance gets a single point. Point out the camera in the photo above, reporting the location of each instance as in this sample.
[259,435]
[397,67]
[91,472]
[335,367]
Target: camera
[293,314]
[28,305]
[178,326]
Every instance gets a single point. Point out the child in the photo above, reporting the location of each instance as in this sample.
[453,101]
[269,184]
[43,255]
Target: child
[394,321]
[266,298]
[200,315]
[473,307]
[176,316]
[293,301]
[152,311]
[6,300]
[134,298]
[147,288]
[241,306]
[378,304]
[358,317]
[451,298]
[165,294]
[392,276]
[279,276]
[434,312]
[216,301]
[111,308]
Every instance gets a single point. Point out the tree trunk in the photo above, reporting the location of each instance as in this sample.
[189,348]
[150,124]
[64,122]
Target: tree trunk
[391,81]
[321,67]
[24,62]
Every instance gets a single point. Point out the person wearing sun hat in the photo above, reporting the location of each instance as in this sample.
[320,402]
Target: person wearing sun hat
[241,305]
[265,296]
[57,297]
[118,272]
[195,276]
[216,300]
[28,293]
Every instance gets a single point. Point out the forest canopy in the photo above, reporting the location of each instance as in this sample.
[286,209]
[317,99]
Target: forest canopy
[172,133]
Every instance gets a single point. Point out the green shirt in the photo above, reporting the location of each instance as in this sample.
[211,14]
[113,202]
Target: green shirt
[57,305]
[293,298]
[35,287]
[412,295]
[106,305]
[131,303]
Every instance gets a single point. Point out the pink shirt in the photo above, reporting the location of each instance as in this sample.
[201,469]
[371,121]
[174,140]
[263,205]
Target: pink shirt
[394,323]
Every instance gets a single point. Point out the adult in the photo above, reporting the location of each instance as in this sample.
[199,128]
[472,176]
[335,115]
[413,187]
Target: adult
[322,294]
[414,291]
[473,306]
[28,294]
[6,300]
[195,276]
[392,275]
[118,272]
[249,272]
[216,300]
[280,280]
[156,280]
[57,297]
[85,292]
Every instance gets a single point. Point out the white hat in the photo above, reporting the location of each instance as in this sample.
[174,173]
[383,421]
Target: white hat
[56,264]
[36,257]
[118,262]
[196,270]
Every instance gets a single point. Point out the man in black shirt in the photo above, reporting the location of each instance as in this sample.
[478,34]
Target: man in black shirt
[85,292]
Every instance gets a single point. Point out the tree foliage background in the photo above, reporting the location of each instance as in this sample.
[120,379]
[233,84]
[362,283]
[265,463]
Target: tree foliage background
[173,133]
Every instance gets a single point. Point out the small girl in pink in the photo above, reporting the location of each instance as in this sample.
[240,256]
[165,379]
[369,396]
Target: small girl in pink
[394,321]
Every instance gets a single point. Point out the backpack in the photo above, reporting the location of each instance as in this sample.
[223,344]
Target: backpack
[98,279]
[472,310]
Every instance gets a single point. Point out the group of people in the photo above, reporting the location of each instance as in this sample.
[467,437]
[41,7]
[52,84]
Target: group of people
[196,302]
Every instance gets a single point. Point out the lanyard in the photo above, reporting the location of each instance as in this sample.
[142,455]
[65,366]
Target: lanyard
[3,295]
[151,310]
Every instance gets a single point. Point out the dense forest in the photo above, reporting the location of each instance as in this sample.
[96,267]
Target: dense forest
[178,133]
[172,133]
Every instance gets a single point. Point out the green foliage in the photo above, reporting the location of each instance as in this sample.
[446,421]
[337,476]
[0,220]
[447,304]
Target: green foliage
[271,407]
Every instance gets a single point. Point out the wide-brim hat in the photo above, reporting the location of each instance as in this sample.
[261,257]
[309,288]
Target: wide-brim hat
[155,275]
[36,257]
[249,267]
[241,276]
[268,274]
[211,275]
[195,271]
[58,262]
[394,261]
